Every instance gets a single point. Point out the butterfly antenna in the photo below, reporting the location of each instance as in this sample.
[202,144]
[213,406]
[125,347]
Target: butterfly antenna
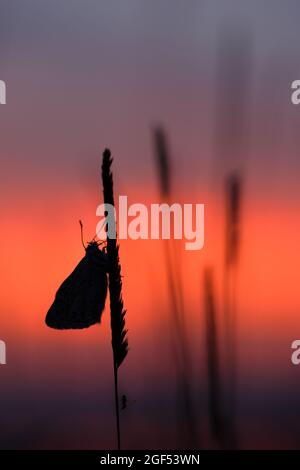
[101,242]
[81,232]
[103,224]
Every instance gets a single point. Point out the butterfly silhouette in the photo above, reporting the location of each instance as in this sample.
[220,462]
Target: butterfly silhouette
[80,300]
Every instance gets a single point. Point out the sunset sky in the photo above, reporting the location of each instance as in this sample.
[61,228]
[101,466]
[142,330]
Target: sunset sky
[85,75]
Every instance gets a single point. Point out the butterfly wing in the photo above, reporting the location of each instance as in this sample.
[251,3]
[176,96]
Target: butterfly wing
[80,300]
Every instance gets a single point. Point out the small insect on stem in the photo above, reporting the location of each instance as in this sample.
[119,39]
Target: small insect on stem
[123,402]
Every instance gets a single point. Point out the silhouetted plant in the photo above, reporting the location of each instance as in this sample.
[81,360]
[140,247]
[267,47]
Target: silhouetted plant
[213,361]
[233,202]
[183,363]
[233,193]
[117,312]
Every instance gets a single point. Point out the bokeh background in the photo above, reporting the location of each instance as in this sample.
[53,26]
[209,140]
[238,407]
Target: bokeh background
[84,75]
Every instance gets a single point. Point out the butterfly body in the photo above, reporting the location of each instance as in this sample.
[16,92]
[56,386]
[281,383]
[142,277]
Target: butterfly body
[80,300]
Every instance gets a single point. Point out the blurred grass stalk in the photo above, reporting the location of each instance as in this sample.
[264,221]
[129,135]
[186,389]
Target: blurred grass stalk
[177,313]
[232,121]
[233,188]
[215,403]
